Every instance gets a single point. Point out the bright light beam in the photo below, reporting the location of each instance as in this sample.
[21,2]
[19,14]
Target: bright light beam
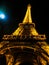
[2,16]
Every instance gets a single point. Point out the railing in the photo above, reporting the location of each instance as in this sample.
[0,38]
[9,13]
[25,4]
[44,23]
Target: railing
[14,37]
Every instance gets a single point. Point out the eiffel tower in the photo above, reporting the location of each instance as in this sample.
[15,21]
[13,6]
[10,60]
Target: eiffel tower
[25,46]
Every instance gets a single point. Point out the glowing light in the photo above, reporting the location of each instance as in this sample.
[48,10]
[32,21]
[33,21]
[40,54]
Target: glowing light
[2,16]
[27,18]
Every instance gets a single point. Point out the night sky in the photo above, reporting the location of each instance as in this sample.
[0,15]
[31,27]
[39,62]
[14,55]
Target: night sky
[15,11]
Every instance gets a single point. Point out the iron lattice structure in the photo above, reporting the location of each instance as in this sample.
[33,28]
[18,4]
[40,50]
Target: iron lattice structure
[25,46]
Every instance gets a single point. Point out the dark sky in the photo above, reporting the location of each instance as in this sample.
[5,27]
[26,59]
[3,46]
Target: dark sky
[16,9]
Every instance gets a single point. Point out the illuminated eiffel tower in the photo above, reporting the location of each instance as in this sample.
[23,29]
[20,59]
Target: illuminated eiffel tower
[25,46]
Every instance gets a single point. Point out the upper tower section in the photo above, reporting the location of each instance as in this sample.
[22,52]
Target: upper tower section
[27,19]
[26,29]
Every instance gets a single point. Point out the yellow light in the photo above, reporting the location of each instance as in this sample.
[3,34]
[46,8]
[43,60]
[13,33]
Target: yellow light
[27,18]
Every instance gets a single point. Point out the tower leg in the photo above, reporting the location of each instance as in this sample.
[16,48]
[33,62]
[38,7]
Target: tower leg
[9,59]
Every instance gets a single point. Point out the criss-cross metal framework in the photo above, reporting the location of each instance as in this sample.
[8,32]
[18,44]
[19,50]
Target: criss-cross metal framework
[25,44]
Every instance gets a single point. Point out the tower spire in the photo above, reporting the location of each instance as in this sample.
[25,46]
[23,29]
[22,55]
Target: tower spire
[27,29]
[27,18]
